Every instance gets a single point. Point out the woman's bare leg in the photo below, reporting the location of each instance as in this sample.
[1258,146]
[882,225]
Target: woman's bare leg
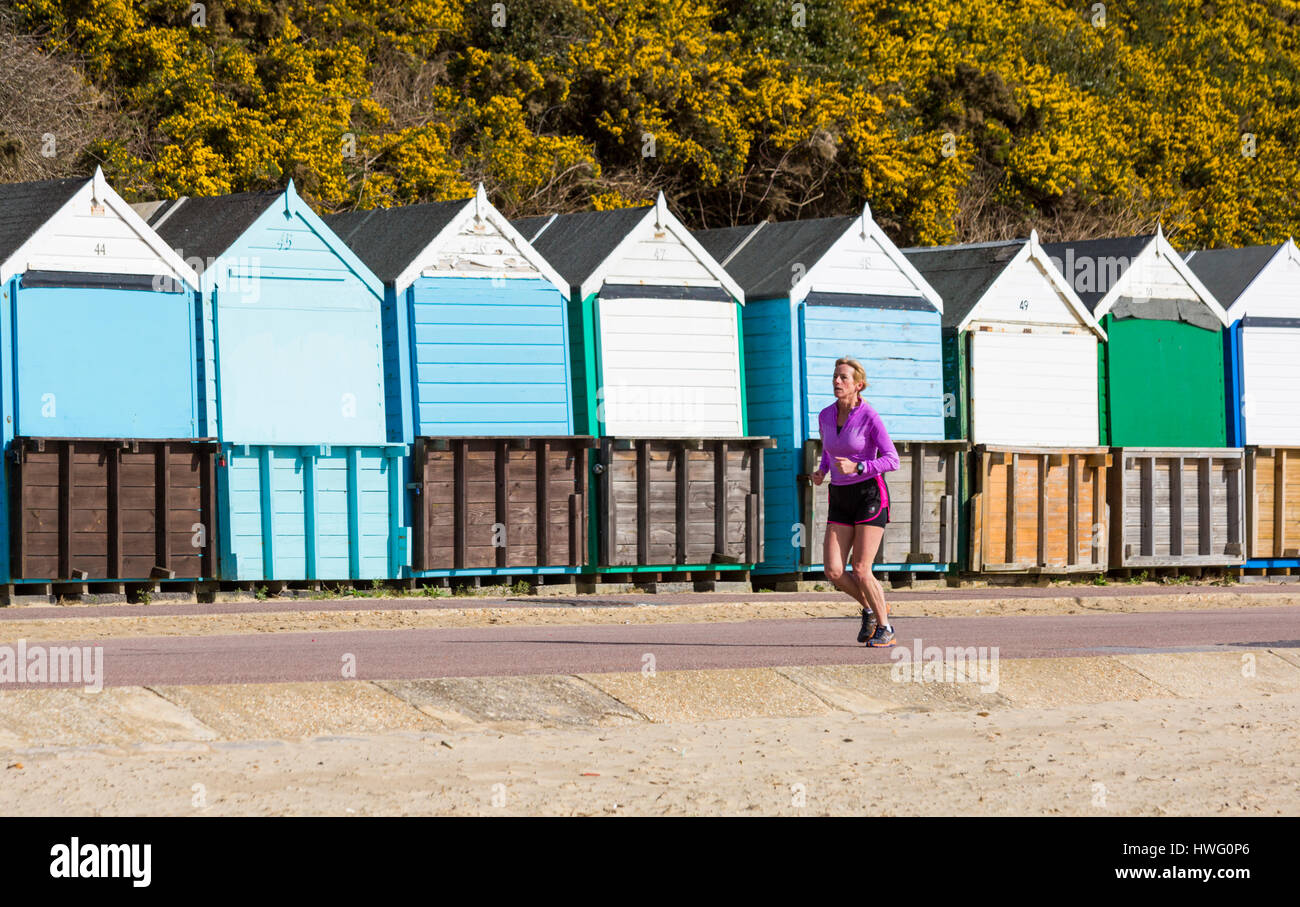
[835,554]
[866,541]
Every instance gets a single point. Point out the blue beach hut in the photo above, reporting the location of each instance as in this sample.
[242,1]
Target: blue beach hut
[100,414]
[309,484]
[1260,288]
[817,290]
[477,334]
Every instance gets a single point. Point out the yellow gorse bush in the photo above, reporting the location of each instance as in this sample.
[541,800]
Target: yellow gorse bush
[955,121]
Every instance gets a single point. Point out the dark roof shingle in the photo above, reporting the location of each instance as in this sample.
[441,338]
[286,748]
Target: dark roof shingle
[1227,272]
[962,274]
[1106,259]
[206,227]
[389,239]
[25,207]
[766,265]
[577,244]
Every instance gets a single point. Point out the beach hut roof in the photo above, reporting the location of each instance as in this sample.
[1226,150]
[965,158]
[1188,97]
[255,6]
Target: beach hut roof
[764,258]
[35,219]
[1228,272]
[585,246]
[722,242]
[1114,258]
[207,227]
[964,274]
[1122,251]
[25,207]
[578,244]
[762,265]
[398,244]
[389,239]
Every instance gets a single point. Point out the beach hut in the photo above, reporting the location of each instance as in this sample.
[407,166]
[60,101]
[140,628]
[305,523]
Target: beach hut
[477,332]
[1260,288]
[657,365]
[1176,490]
[1020,381]
[309,483]
[101,421]
[817,290]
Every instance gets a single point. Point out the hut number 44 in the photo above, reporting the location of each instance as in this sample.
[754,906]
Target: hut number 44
[101,249]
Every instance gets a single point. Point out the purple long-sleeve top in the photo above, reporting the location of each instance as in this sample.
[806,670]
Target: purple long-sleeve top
[863,439]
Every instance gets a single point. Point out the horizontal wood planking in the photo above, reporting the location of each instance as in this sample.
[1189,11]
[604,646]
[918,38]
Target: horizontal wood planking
[512,331]
[1271,378]
[91,506]
[474,484]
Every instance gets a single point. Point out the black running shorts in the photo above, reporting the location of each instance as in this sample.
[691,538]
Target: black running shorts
[858,504]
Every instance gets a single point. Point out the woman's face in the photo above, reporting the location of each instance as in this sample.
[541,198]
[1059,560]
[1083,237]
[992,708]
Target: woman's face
[844,382]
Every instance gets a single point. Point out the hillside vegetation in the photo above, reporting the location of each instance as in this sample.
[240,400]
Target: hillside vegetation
[956,121]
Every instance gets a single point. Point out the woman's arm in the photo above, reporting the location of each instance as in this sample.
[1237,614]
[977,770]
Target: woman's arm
[886,459]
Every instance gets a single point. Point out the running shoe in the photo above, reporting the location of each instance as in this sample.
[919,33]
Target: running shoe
[868,625]
[883,638]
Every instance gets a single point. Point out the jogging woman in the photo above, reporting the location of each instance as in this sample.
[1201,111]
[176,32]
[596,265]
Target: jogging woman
[857,452]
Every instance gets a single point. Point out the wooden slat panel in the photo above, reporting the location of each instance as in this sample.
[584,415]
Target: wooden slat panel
[720,498]
[642,502]
[460,515]
[1042,509]
[1203,506]
[162,508]
[1072,510]
[501,509]
[114,466]
[65,511]
[1176,507]
[1279,502]
[543,454]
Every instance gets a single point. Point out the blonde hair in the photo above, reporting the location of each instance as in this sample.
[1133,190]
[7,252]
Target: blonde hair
[859,373]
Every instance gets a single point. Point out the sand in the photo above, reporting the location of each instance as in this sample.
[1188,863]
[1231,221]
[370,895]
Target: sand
[1151,757]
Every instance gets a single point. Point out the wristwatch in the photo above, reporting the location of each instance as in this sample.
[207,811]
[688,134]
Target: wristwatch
[861,467]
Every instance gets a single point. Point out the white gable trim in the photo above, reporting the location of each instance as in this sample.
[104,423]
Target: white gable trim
[1288,251]
[660,218]
[1032,251]
[478,208]
[1159,247]
[97,190]
[868,229]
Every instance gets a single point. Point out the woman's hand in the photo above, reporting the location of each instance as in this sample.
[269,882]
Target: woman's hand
[817,477]
[846,466]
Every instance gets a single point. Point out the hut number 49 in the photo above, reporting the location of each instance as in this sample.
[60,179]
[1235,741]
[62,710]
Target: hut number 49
[1024,305]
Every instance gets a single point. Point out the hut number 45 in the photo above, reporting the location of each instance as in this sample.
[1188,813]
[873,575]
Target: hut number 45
[285,241]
